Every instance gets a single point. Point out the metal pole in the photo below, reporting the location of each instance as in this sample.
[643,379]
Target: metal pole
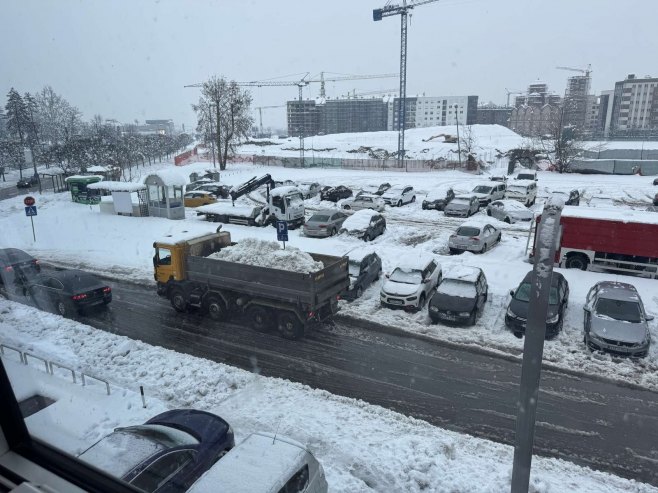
[402,102]
[34,236]
[546,240]
[459,147]
[301,131]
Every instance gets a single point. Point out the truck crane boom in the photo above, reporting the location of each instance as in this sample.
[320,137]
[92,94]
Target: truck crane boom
[251,185]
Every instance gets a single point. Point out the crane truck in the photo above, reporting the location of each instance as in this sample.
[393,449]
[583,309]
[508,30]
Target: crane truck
[281,204]
[270,298]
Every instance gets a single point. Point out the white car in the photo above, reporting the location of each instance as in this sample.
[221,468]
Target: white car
[309,189]
[489,191]
[364,201]
[399,195]
[472,236]
[410,283]
[509,211]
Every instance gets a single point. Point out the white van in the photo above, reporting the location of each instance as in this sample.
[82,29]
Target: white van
[526,175]
[264,463]
[524,191]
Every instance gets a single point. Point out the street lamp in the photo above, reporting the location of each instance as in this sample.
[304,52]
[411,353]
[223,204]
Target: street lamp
[459,148]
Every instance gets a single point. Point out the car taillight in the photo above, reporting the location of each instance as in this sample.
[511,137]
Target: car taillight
[107,289]
[322,226]
[9,268]
[77,297]
[475,238]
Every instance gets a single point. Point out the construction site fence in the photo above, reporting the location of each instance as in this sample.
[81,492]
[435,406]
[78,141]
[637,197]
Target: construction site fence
[354,164]
[615,166]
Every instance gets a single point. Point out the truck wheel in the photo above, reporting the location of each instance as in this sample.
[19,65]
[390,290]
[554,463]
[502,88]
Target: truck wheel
[216,308]
[260,319]
[177,299]
[577,261]
[289,326]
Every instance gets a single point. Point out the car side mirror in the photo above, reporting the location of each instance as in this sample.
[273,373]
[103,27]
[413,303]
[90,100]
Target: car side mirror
[587,308]
[649,318]
[511,292]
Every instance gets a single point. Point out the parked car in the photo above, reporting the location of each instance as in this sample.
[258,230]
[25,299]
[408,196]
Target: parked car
[217,189]
[16,269]
[285,183]
[525,191]
[502,177]
[615,320]
[516,316]
[375,189]
[462,206]
[438,198]
[28,182]
[309,189]
[68,292]
[168,453]
[570,198]
[655,199]
[381,190]
[509,211]
[526,175]
[474,237]
[324,223]
[365,267]
[365,224]
[655,181]
[334,194]
[196,198]
[460,297]
[265,462]
[363,201]
[399,195]
[410,283]
[488,192]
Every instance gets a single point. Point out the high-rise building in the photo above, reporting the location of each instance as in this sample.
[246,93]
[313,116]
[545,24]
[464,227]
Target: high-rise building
[635,107]
[302,118]
[426,111]
[575,104]
[605,113]
[332,116]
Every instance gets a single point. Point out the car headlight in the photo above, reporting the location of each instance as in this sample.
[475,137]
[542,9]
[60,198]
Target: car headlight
[413,298]
[510,313]
[553,320]
[433,309]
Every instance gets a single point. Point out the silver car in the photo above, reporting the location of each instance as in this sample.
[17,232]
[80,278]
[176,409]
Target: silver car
[615,320]
[509,211]
[474,237]
[462,206]
[364,201]
[324,223]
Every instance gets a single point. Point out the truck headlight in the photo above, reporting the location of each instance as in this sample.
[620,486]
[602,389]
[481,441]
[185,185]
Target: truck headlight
[553,320]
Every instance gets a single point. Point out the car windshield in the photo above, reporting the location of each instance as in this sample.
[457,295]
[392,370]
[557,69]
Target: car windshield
[468,231]
[319,218]
[482,189]
[407,276]
[627,311]
[523,294]
[458,288]
[525,176]
[460,201]
[354,268]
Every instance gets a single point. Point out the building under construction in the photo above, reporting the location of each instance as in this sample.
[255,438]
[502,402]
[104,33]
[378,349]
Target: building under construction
[332,116]
[576,101]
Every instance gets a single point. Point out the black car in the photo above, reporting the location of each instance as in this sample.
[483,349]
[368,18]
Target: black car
[68,292]
[365,224]
[516,317]
[334,194]
[655,181]
[28,182]
[167,454]
[365,267]
[438,198]
[383,188]
[460,297]
[16,269]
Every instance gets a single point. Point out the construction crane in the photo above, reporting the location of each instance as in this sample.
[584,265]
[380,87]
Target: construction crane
[260,114]
[354,94]
[585,71]
[322,80]
[401,10]
[510,93]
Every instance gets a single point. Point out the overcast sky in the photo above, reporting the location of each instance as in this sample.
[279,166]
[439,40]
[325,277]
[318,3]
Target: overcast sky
[129,59]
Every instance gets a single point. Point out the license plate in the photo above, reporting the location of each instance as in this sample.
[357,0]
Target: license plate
[395,302]
[449,317]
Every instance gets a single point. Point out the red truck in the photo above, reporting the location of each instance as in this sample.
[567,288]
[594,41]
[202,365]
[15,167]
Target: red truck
[625,241]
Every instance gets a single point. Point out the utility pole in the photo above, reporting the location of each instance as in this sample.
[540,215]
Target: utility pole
[301,129]
[459,146]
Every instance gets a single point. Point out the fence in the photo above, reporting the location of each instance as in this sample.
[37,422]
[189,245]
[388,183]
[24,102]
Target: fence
[636,154]
[614,166]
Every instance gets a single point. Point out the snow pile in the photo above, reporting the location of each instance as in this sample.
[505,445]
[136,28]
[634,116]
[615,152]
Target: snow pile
[269,254]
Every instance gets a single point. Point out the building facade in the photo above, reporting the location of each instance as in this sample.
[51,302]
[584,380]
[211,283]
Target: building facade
[425,111]
[536,112]
[635,107]
[490,114]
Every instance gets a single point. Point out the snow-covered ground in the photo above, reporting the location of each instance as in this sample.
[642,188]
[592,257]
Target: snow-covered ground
[363,448]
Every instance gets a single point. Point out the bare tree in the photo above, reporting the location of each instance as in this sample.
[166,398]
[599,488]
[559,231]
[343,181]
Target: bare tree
[226,107]
[562,144]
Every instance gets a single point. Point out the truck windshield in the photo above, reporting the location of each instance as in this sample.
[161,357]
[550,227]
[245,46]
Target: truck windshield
[163,256]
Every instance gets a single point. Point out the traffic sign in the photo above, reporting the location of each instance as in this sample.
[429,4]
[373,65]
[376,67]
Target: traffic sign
[31,210]
[282,231]
[29,200]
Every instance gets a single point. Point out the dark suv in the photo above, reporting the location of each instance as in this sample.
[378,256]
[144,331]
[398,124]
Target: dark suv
[16,269]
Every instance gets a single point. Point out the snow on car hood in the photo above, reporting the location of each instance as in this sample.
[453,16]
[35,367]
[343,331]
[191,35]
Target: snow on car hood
[392,194]
[400,288]
[359,221]
[618,330]
[481,195]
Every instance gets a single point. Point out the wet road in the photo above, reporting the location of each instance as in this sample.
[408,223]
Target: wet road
[592,423]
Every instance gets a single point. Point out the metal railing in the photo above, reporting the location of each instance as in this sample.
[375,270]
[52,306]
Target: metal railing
[51,366]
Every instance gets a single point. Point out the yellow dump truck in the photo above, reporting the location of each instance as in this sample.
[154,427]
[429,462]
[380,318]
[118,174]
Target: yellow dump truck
[269,298]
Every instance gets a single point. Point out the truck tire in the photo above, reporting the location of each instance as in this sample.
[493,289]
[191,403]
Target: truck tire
[260,318]
[215,307]
[177,299]
[289,326]
[577,261]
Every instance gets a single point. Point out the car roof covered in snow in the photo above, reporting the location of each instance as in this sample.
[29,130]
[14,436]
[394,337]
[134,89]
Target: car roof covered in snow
[520,183]
[463,273]
[438,192]
[418,262]
[512,204]
[488,184]
[117,186]
[280,191]
[359,220]
[615,290]
[359,253]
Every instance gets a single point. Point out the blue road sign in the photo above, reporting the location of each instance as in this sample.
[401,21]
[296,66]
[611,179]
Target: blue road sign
[31,210]
[282,231]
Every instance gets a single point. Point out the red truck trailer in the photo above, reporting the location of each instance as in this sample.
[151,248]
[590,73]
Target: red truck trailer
[624,241]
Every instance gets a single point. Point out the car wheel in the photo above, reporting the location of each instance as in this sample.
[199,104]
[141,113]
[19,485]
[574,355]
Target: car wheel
[484,248]
[333,232]
[215,308]
[177,300]
[289,326]
[413,199]
[399,204]
[424,207]
[366,237]
[472,317]
[518,335]
[508,220]
[359,292]
[63,308]
[488,213]
[346,207]
[260,319]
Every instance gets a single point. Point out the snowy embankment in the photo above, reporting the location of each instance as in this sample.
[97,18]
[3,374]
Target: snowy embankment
[121,247]
[363,448]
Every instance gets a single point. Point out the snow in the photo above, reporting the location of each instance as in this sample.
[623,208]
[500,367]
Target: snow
[229,209]
[363,448]
[171,177]
[116,186]
[269,254]
[462,272]
[97,169]
[360,220]
[521,183]
[459,288]
[418,261]
[437,193]
[281,191]
[81,177]
[621,215]
[183,236]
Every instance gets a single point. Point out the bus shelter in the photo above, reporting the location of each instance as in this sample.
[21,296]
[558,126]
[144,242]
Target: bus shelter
[164,192]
